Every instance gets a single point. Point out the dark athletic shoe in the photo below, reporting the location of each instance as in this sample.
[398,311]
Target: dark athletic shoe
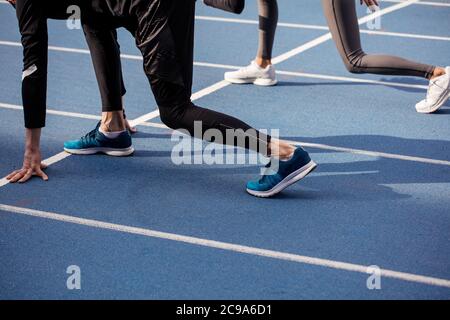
[289,172]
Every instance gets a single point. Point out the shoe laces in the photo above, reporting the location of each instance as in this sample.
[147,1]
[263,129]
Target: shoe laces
[248,68]
[91,135]
[266,174]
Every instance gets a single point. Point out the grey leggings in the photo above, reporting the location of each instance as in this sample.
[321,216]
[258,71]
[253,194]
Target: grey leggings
[343,23]
[268,19]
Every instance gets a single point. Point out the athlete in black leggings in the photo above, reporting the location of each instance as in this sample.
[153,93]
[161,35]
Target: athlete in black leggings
[164,33]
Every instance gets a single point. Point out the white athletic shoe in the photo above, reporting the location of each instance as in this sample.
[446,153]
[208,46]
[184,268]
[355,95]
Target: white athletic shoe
[253,74]
[438,94]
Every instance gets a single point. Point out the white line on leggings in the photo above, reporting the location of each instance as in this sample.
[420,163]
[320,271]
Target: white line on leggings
[333,264]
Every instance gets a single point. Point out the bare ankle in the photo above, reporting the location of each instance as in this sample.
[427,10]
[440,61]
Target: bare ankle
[112,121]
[281,150]
[263,63]
[438,72]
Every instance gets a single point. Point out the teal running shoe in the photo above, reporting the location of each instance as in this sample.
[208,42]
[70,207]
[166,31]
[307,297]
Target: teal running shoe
[289,172]
[96,142]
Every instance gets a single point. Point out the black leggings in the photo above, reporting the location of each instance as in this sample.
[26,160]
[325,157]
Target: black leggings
[164,33]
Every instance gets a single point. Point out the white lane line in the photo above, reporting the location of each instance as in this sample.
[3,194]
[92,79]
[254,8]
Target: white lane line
[222,84]
[135,122]
[56,158]
[296,51]
[211,89]
[142,121]
[371,153]
[324,28]
[349,150]
[256,22]
[333,264]
[354,80]
[302,48]
[144,118]
[320,76]
[406,35]
[424,3]
[54,112]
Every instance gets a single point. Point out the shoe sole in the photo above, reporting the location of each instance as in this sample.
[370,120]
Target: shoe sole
[257,81]
[108,151]
[286,182]
[265,82]
[438,105]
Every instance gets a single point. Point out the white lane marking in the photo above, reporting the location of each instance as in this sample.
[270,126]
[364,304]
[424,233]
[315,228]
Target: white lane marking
[370,153]
[296,51]
[349,150]
[320,76]
[211,89]
[406,35]
[333,264]
[144,118]
[54,112]
[424,3]
[143,122]
[324,28]
[223,66]
[54,159]
[80,115]
[351,79]
[302,48]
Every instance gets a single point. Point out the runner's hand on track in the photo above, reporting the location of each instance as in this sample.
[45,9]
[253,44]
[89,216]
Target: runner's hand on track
[32,166]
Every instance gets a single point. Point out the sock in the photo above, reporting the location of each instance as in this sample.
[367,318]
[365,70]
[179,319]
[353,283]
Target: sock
[111,135]
[288,158]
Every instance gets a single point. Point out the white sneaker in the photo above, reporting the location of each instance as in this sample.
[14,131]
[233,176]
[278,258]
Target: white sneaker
[253,74]
[438,94]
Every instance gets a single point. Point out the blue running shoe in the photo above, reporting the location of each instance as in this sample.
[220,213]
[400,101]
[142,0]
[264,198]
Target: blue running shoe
[289,172]
[96,142]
